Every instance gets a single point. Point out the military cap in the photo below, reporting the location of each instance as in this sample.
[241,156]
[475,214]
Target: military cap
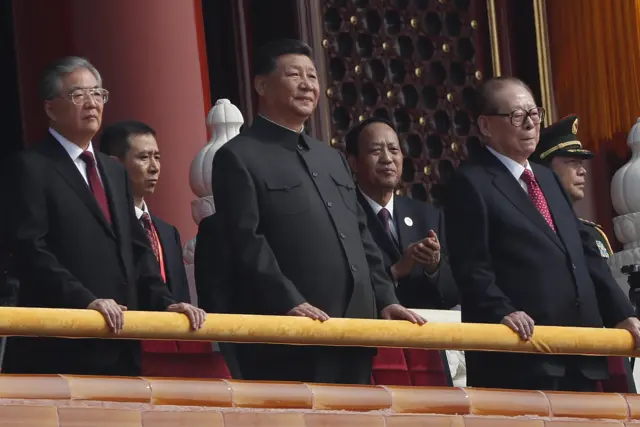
[560,139]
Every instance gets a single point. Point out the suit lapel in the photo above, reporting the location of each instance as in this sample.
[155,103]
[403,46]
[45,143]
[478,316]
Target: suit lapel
[377,230]
[555,200]
[163,236]
[406,233]
[113,194]
[63,164]
[511,189]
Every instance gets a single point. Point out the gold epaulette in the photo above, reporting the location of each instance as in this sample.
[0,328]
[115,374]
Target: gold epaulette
[600,230]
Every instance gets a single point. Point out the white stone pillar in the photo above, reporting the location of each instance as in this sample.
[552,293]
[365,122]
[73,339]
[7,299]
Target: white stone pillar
[224,121]
[625,195]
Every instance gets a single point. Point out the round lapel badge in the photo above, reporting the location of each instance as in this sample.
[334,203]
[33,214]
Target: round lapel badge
[408,221]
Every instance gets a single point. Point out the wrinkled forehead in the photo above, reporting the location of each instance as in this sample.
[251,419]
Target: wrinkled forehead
[295,61]
[144,143]
[80,78]
[377,134]
[512,96]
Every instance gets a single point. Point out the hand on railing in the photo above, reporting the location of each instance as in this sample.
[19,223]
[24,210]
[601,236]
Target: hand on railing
[112,311]
[521,323]
[632,324]
[307,310]
[398,312]
[196,315]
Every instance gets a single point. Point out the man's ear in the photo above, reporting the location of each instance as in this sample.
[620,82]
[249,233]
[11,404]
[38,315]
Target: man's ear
[353,163]
[260,84]
[48,109]
[483,126]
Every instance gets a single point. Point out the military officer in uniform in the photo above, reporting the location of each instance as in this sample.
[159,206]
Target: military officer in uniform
[560,150]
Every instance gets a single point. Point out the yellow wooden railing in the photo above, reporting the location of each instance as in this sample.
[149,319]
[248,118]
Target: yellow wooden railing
[335,332]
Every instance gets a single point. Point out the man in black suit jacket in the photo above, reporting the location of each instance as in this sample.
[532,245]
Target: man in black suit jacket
[408,232]
[74,235]
[297,235]
[519,254]
[134,144]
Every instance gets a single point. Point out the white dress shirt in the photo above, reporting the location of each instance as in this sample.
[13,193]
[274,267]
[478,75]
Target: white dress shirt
[514,167]
[74,152]
[377,208]
[140,212]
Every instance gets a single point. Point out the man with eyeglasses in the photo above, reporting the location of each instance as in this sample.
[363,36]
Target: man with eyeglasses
[74,235]
[519,253]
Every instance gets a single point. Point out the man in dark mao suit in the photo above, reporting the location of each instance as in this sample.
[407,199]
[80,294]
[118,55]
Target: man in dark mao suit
[519,253]
[297,235]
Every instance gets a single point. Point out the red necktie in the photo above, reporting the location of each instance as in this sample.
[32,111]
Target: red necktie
[384,217]
[154,240]
[95,184]
[538,199]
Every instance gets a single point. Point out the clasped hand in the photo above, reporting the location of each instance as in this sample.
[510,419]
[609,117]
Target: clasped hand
[425,252]
[113,313]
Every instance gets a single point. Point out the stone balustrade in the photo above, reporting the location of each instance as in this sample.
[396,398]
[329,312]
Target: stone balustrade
[74,401]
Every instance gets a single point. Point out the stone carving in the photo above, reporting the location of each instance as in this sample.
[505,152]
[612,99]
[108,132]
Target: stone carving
[224,121]
[625,195]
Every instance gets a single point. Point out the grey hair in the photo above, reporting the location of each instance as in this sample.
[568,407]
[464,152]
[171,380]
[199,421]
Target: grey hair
[51,84]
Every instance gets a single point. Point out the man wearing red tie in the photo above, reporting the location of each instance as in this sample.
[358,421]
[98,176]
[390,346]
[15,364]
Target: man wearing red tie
[74,235]
[134,144]
[520,255]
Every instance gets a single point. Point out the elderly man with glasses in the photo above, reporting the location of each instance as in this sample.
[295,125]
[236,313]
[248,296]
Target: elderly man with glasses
[74,235]
[520,255]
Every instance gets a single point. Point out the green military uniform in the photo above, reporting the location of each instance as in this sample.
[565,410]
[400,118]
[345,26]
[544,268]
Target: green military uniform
[561,139]
[599,236]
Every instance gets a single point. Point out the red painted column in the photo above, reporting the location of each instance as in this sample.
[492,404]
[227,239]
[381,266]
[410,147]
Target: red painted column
[152,59]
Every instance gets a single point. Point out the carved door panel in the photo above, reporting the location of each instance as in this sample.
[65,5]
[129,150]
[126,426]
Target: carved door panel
[416,62]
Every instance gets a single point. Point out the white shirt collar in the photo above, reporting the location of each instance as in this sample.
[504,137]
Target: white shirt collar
[144,210]
[514,167]
[278,124]
[376,206]
[72,149]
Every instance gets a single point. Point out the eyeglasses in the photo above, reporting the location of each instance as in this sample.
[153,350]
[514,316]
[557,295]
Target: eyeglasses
[518,117]
[97,95]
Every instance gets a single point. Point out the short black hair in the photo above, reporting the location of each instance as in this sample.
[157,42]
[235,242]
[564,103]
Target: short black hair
[266,56]
[484,99]
[115,137]
[352,139]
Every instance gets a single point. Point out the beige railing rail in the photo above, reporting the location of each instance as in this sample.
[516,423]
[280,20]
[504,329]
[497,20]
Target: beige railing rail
[335,332]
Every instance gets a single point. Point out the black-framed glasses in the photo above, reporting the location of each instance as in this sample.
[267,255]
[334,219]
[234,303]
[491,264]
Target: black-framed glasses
[80,96]
[517,117]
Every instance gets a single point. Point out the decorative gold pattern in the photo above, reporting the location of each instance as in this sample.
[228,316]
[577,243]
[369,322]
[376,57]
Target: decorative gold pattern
[413,63]
[493,37]
[574,127]
[544,63]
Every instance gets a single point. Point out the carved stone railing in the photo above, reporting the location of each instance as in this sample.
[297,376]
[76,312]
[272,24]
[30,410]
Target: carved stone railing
[70,401]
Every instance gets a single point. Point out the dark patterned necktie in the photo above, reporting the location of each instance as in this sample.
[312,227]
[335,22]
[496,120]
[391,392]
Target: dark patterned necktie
[95,184]
[538,199]
[148,227]
[384,217]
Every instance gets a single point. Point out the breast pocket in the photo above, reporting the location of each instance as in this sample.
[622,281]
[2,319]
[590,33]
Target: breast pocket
[286,195]
[347,190]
